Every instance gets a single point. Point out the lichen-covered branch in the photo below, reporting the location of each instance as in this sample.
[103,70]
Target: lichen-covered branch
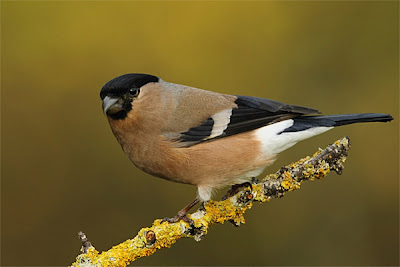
[164,234]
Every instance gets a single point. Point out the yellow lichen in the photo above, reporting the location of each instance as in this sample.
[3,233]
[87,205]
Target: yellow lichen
[258,193]
[290,184]
[167,234]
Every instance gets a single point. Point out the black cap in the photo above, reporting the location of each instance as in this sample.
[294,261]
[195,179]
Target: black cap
[123,83]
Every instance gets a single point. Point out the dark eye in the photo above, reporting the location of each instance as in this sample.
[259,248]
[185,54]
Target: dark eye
[134,92]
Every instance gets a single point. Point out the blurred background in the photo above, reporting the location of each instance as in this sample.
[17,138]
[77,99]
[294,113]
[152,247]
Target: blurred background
[62,171]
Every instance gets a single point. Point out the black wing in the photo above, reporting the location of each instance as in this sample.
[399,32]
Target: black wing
[198,133]
[251,113]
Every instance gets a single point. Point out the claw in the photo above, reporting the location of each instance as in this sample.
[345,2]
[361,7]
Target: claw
[177,218]
[235,188]
[181,215]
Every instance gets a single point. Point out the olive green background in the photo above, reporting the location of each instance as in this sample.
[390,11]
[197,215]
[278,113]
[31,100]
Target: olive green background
[62,170]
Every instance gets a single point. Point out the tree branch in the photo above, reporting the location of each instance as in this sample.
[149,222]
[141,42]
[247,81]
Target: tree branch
[164,234]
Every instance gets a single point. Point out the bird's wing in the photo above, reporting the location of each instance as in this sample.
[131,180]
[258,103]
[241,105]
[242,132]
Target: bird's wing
[251,113]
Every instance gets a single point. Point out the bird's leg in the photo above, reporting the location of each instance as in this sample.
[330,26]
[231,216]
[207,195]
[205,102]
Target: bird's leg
[182,214]
[235,188]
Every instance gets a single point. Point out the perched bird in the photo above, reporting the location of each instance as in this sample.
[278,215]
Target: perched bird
[207,139]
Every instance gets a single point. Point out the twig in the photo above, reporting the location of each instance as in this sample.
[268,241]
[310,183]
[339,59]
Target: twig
[164,234]
[85,242]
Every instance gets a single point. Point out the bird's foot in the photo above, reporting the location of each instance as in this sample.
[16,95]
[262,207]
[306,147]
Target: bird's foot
[203,205]
[254,180]
[235,188]
[182,214]
[178,217]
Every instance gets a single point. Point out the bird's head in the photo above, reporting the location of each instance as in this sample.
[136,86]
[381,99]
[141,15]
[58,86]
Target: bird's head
[119,93]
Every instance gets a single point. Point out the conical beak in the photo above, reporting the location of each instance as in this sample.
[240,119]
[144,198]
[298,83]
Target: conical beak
[111,105]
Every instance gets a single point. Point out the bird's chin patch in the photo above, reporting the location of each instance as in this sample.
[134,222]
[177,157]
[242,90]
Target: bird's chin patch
[120,115]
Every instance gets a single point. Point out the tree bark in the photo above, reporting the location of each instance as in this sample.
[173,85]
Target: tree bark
[164,234]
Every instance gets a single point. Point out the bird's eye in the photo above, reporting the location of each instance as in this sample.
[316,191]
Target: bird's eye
[134,92]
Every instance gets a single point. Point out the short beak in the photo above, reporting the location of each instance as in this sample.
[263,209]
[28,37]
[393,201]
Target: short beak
[111,105]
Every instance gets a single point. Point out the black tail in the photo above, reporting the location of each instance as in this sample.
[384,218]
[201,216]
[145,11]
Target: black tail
[307,122]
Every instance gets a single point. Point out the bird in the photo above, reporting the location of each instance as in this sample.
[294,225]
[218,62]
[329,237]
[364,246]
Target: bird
[203,138]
